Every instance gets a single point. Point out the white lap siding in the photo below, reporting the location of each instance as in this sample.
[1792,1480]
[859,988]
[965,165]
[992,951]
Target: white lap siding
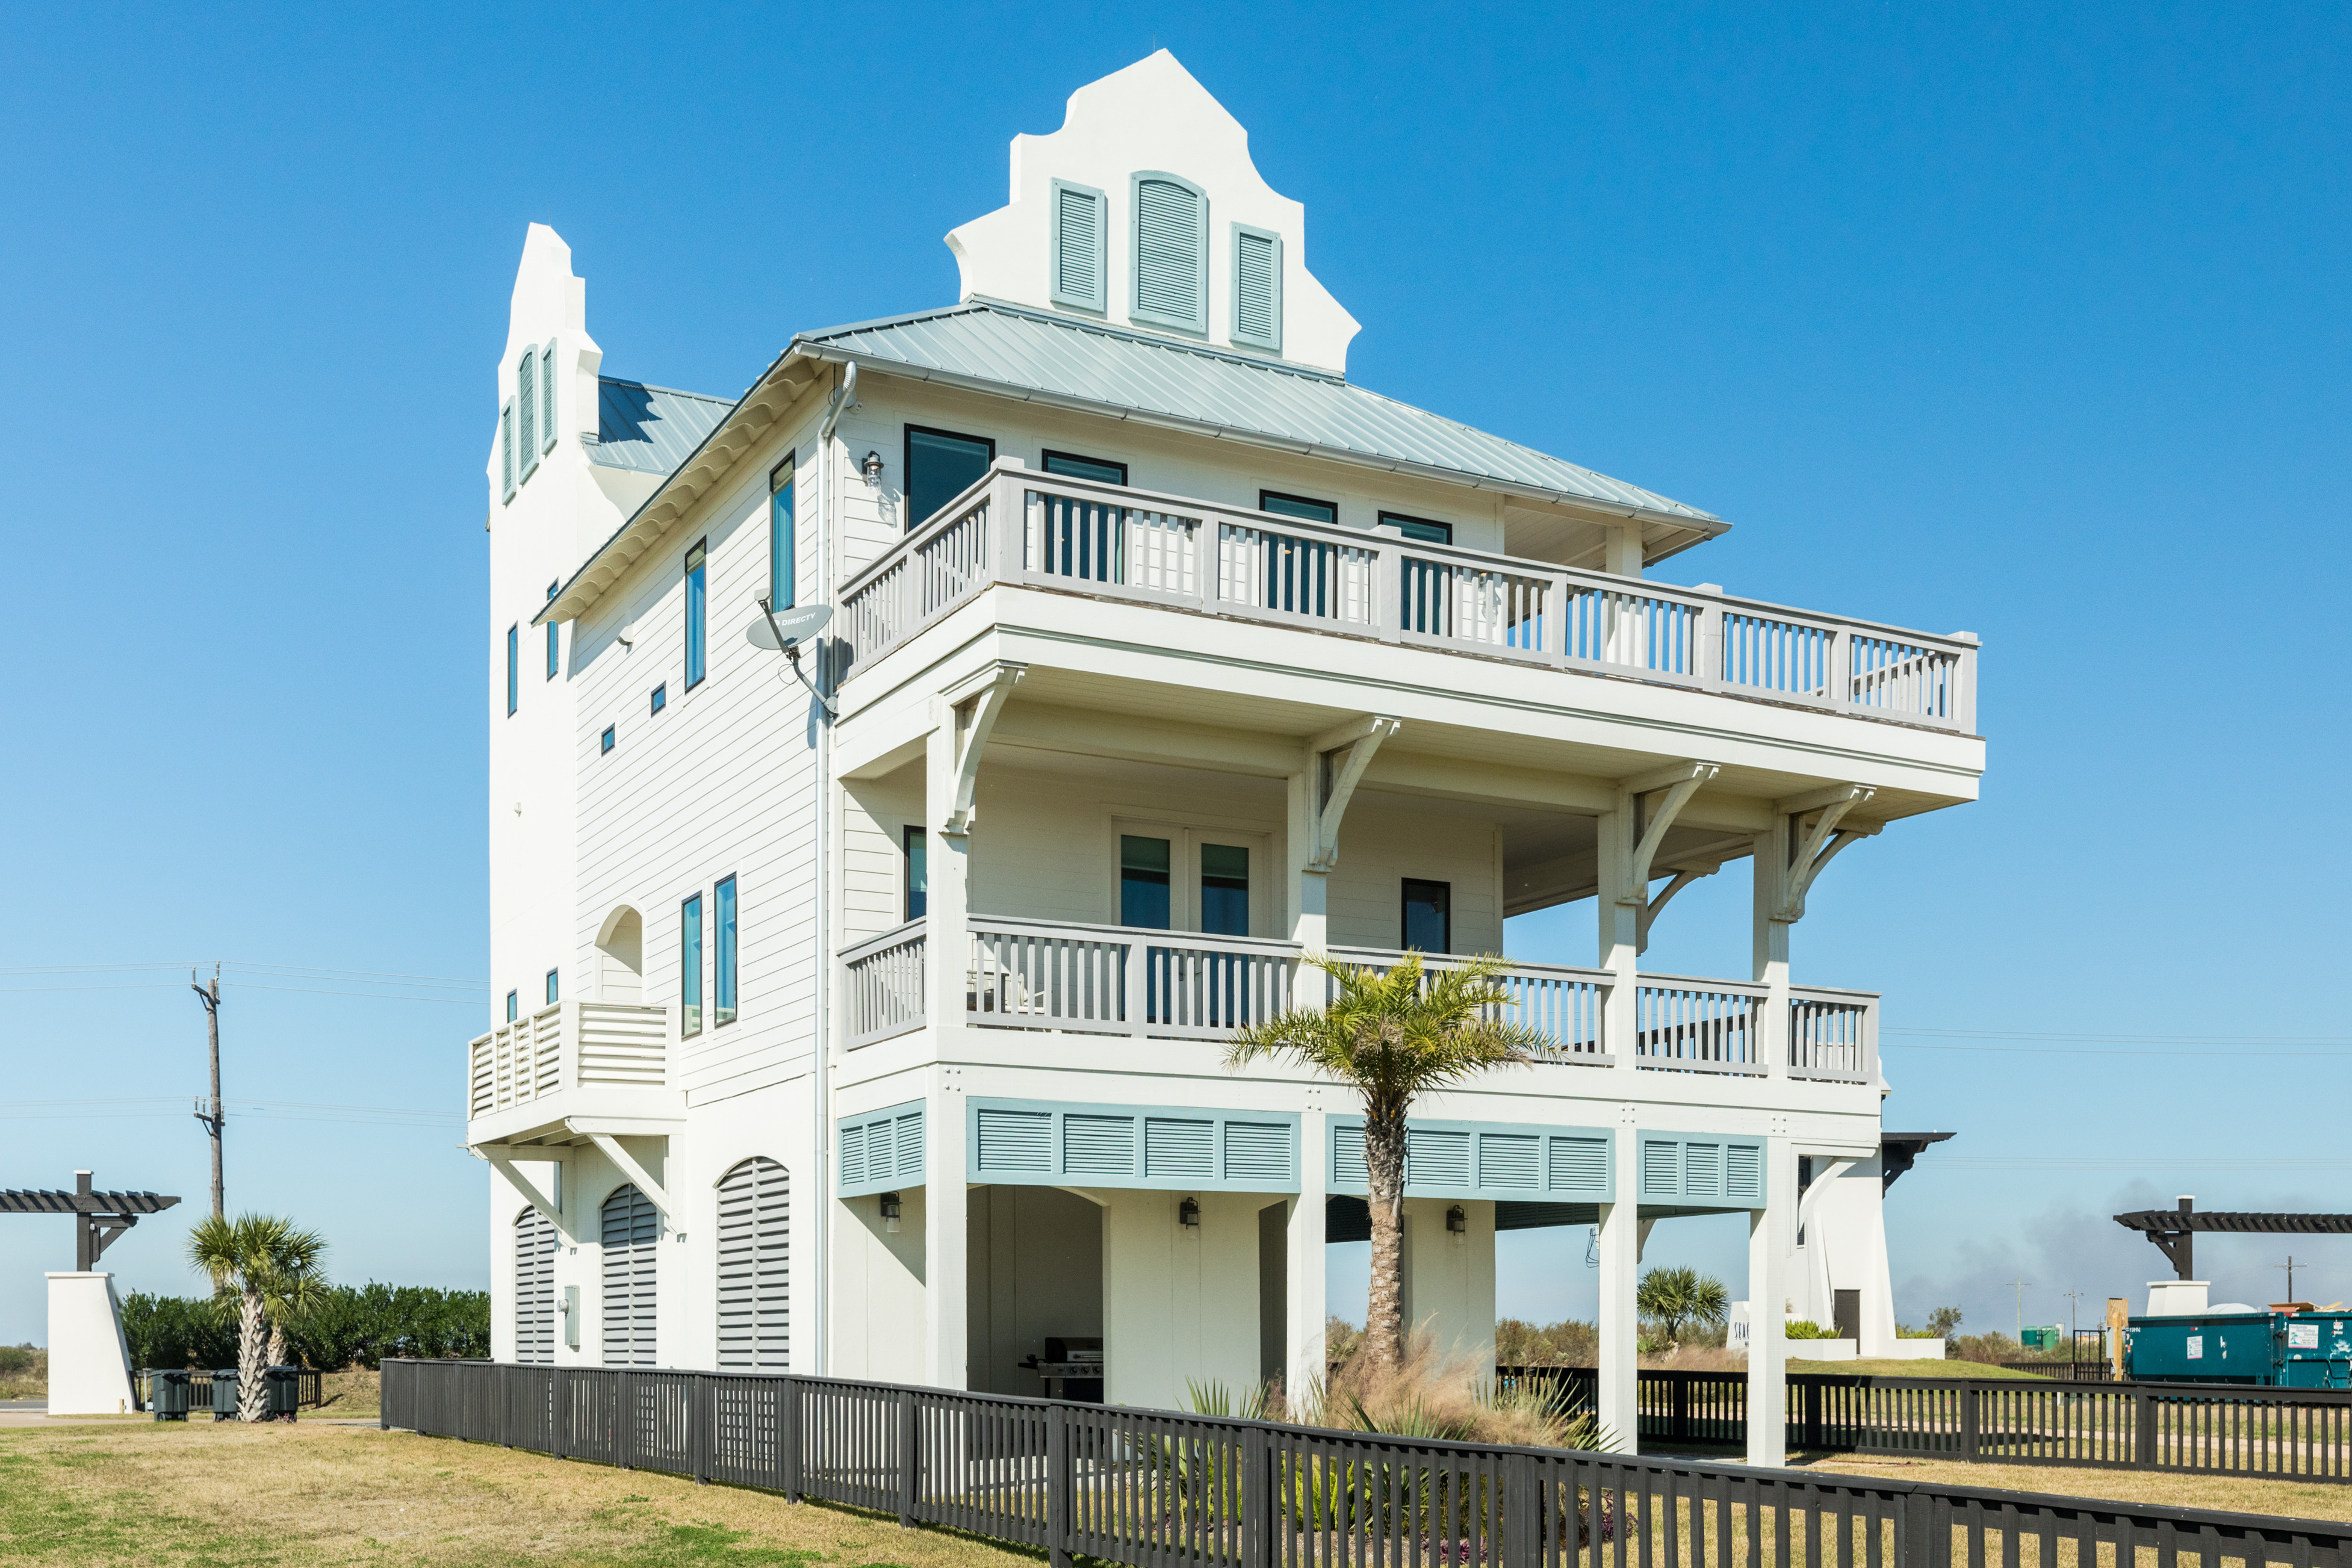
[632,1235]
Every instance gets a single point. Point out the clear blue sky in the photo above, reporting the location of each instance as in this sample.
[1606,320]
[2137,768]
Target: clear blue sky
[2027,321]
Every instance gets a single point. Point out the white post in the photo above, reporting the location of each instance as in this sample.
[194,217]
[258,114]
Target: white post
[947,909]
[1304,1304]
[1619,1321]
[1771,945]
[1768,1347]
[946,1227]
[1619,938]
[1307,888]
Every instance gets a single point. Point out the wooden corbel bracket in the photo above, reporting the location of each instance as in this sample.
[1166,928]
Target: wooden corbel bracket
[973,707]
[1819,843]
[1680,782]
[1337,778]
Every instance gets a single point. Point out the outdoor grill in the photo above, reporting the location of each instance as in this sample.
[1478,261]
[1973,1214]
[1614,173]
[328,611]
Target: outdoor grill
[1075,1364]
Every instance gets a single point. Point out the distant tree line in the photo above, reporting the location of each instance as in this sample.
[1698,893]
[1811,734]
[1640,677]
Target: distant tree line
[348,1325]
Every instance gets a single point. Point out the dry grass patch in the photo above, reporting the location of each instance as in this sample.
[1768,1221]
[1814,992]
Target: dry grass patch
[209,1495]
[2292,1500]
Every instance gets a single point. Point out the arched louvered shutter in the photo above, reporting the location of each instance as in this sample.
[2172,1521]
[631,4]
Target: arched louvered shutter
[1258,288]
[534,1288]
[547,397]
[1081,225]
[526,407]
[1172,253]
[632,1232]
[755,1267]
[505,449]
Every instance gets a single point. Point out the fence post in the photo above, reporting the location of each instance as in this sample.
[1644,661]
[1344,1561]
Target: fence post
[1813,1415]
[1257,1497]
[559,1412]
[788,1440]
[1968,1420]
[910,1453]
[699,1413]
[1522,1511]
[1058,1484]
[502,1390]
[2144,1443]
[625,1422]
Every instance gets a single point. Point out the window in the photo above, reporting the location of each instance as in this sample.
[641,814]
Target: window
[552,996]
[722,989]
[605,743]
[506,451]
[526,410]
[1428,922]
[689,967]
[1224,889]
[1143,882]
[514,1006]
[514,660]
[1258,288]
[1081,227]
[942,465]
[1096,468]
[1419,528]
[697,608]
[1172,253]
[554,661]
[660,697]
[915,848]
[781,577]
[547,397]
[1305,507]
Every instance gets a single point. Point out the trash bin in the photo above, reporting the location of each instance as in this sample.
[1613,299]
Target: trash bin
[281,1391]
[167,1394]
[224,1394]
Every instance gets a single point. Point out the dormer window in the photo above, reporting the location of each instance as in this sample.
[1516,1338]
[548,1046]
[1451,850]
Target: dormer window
[1257,287]
[1081,230]
[1172,253]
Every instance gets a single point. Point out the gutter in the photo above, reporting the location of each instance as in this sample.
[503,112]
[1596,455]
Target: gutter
[821,1092]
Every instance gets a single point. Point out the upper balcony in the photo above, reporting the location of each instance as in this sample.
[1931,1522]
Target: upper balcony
[604,1062]
[1018,528]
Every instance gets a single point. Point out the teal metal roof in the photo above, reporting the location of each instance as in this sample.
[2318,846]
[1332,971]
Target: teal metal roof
[993,347]
[651,430]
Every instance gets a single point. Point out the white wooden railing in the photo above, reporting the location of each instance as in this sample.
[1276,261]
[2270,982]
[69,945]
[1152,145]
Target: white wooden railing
[1022,527]
[572,1045]
[1833,1035]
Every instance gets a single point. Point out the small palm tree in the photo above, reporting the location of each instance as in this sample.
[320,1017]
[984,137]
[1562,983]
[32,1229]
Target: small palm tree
[1672,1298]
[258,1259]
[1393,1035]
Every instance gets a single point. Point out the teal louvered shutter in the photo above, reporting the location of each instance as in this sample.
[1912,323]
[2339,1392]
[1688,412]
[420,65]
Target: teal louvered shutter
[1702,1170]
[1172,253]
[1436,1159]
[1098,1145]
[909,1139]
[1179,1150]
[1081,233]
[1510,1160]
[853,1156]
[1580,1164]
[1348,1170]
[1744,1173]
[525,406]
[1258,288]
[506,451]
[1662,1168]
[1259,1154]
[547,397]
[1016,1141]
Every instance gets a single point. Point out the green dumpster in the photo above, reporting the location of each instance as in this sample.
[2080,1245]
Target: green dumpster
[167,1394]
[281,1391]
[224,1394]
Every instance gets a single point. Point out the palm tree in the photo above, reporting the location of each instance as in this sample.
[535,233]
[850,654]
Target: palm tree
[258,1258]
[1670,1298]
[1393,1036]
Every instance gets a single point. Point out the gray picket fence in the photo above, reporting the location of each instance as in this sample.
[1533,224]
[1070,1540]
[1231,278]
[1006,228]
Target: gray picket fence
[1155,1488]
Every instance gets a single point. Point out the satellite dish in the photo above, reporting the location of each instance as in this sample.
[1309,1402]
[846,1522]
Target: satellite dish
[791,625]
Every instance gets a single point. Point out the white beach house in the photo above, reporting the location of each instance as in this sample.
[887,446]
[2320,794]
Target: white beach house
[886,1044]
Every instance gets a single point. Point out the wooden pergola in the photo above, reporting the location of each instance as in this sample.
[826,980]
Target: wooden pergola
[102,1216]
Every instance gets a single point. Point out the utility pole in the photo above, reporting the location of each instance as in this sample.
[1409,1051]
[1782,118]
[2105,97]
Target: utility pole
[2021,1284]
[2289,1267]
[2073,1298]
[212,1119]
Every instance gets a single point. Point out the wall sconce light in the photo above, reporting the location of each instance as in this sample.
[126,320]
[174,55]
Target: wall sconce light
[1188,1214]
[872,467]
[1457,1220]
[890,1211]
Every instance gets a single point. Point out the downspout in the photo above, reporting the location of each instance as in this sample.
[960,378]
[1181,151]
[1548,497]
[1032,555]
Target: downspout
[822,1095]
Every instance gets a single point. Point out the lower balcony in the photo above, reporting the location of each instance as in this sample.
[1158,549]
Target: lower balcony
[602,1060]
[1076,978]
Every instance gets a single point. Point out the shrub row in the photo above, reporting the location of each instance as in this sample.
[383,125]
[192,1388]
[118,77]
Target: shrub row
[355,1325]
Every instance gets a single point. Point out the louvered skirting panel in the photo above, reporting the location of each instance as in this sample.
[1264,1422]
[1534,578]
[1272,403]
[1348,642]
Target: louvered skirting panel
[1461,1159]
[881,1149]
[755,1267]
[1048,1143]
[534,1288]
[1702,1170]
[632,1230]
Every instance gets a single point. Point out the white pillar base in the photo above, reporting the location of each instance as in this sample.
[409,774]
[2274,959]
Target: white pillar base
[89,1362]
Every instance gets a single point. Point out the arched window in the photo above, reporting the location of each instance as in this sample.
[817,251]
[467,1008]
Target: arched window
[632,1231]
[621,957]
[534,1288]
[755,1259]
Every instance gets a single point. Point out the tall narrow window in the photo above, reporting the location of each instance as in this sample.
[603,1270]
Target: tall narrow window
[506,451]
[1258,288]
[514,664]
[722,989]
[1428,919]
[514,1006]
[689,967]
[553,998]
[781,576]
[1172,253]
[553,646]
[1080,229]
[697,608]
[942,465]
[1143,882]
[1224,889]
[547,397]
[915,849]
[526,408]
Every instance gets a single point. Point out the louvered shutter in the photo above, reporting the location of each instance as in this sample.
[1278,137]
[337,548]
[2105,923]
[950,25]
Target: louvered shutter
[525,406]
[506,450]
[632,1231]
[1172,253]
[534,1288]
[755,1267]
[1081,221]
[547,397]
[1258,288]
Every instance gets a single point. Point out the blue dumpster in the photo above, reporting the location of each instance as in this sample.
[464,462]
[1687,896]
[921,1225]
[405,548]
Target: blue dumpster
[2269,1349]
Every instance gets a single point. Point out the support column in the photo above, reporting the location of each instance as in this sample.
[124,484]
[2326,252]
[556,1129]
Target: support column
[1618,947]
[1307,888]
[1306,1355]
[946,1240]
[1771,945]
[1768,1347]
[1619,1322]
